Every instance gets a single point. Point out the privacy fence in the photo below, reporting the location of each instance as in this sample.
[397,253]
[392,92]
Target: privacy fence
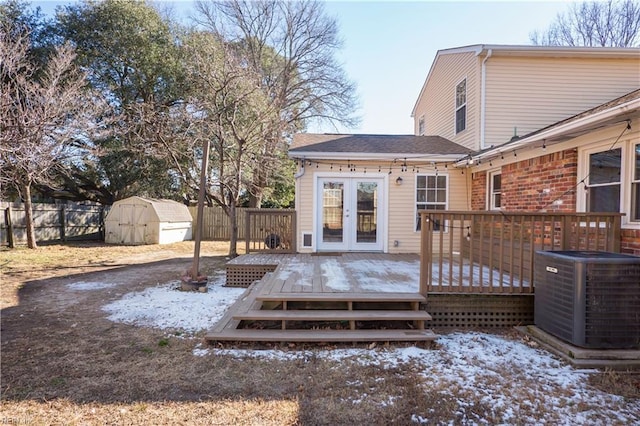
[71,221]
[269,229]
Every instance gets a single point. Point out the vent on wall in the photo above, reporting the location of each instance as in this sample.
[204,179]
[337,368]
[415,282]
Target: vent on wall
[588,298]
[307,240]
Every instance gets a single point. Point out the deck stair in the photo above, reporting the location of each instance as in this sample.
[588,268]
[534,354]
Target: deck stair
[301,317]
[285,305]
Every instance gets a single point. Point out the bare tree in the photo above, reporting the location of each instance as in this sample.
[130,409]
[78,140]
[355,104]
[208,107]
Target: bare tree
[611,23]
[42,112]
[292,46]
[231,113]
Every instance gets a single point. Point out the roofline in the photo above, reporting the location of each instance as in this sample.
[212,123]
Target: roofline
[360,156]
[533,51]
[560,129]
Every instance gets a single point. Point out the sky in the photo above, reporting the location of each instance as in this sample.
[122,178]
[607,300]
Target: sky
[389,46]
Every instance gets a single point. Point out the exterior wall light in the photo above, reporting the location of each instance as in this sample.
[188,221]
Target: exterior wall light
[399,181]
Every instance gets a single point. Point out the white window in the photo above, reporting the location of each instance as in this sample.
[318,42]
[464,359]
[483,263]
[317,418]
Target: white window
[461,106]
[431,194]
[635,185]
[612,180]
[421,126]
[495,191]
[604,184]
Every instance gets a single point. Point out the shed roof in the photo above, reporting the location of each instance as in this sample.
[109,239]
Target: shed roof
[166,210]
[339,145]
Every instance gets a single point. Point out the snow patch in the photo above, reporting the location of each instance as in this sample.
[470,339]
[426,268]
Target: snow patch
[166,307]
[89,285]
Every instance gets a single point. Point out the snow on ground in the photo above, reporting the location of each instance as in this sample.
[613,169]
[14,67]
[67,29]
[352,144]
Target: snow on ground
[523,385]
[166,307]
[89,285]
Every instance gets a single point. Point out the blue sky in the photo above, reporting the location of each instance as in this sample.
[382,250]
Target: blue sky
[389,46]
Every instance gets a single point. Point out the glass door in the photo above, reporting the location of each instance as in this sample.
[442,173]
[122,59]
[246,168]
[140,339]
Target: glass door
[349,214]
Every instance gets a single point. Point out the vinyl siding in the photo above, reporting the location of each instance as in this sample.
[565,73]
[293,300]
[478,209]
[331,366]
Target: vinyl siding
[400,204]
[402,208]
[437,102]
[531,93]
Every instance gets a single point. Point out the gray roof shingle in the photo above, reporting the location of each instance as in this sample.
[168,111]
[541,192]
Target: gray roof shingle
[378,144]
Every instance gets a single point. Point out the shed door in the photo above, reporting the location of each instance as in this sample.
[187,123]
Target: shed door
[132,226]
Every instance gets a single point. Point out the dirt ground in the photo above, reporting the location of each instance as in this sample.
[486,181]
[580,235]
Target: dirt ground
[64,362]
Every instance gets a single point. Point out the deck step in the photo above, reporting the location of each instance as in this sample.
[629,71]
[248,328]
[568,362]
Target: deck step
[333,315]
[342,297]
[249,335]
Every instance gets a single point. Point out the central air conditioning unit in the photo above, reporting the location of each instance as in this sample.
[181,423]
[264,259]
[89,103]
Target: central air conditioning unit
[588,298]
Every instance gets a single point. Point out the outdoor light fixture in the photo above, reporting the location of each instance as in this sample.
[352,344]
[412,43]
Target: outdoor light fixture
[399,181]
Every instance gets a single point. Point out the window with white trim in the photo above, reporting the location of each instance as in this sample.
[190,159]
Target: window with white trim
[461,106]
[421,126]
[612,179]
[635,185]
[495,190]
[431,194]
[604,182]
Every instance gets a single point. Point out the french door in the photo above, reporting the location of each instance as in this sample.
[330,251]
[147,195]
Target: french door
[350,214]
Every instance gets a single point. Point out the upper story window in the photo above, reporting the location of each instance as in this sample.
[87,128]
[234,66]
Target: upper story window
[421,126]
[431,194]
[461,106]
[495,191]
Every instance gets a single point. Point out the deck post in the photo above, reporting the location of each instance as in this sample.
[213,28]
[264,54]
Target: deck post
[426,255]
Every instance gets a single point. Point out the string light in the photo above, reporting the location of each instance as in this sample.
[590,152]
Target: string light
[544,144]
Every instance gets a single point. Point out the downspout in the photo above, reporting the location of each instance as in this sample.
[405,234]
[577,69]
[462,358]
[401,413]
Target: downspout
[483,98]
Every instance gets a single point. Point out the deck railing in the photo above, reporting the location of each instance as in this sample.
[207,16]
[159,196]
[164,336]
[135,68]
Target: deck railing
[493,252]
[270,230]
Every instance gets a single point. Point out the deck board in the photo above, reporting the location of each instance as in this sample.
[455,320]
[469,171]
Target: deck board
[343,297]
[332,315]
[323,335]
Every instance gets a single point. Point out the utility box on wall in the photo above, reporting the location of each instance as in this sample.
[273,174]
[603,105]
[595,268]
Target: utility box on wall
[588,298]
[138,220]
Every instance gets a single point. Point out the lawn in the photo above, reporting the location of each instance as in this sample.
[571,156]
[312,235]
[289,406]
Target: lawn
[97,334]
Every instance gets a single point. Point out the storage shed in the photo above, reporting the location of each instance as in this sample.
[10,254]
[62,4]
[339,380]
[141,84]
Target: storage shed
[138,220]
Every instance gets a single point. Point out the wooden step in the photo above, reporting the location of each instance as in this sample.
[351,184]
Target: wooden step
[342,297]
[250,335]
[332,315]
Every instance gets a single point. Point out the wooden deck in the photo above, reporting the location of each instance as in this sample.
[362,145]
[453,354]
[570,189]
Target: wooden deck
[327,298]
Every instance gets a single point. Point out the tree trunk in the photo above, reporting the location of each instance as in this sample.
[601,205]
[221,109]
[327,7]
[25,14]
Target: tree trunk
[233,219]
[28,214]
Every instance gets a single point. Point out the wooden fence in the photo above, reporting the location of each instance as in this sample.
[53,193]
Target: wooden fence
[493,252]
[216,225]
[270,230]
[52,222]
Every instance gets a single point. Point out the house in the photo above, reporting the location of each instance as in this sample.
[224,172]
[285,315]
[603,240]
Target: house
[507,128]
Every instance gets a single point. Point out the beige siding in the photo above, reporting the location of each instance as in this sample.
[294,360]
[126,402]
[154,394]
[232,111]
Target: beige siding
[400,203]
[531,93]
[402,209]
[304,206]
[437,102]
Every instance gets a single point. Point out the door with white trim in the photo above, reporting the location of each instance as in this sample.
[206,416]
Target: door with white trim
[350,213]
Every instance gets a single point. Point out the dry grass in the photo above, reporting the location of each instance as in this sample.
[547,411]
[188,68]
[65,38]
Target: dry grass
[63,362]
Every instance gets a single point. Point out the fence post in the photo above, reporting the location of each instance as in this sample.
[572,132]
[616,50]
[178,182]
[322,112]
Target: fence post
[9,223]
[63,223]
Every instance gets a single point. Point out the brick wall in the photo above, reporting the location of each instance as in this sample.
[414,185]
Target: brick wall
[479,191]
[545,183]
[630,243]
